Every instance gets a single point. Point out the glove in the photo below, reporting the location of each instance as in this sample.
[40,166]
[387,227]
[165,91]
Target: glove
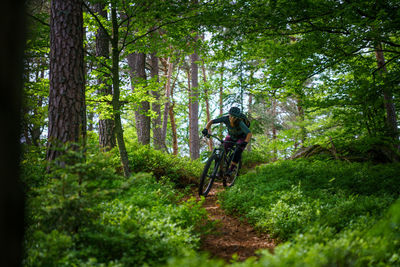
[243,145]
[205,132]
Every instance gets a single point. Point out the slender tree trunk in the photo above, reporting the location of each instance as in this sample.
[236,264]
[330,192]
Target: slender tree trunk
[250,108]
[156,108]
[221,98]
[67,82]
[106,125]
[11,76]
[137,64]
[116,93]
[391,120]
[194,108]
[190,108]
[170,67]
[210,144]
[173,124]
[274,128]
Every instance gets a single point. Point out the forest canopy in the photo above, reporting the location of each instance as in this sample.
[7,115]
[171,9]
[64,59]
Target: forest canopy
[305,72]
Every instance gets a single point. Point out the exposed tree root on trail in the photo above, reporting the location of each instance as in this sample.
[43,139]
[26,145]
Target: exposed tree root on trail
[231,235]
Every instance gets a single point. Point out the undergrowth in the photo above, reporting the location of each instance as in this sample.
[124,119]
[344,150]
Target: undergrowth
[87,214]
[328,212]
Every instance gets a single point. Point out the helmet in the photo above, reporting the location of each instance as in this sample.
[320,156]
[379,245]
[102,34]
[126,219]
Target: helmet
[235,112]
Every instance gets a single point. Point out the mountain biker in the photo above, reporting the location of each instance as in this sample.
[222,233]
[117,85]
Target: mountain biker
[237,132]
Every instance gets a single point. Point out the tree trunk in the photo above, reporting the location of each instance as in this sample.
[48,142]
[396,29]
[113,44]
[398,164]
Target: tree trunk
[11,77]
[155,106]
[391,120]
[274,128]
[189,79]
[194,109]
[106,125]
[67,82]
[221,99]
[170,67]
[175,150]
[137,64]
[210,144]
[116,93]
[250,107]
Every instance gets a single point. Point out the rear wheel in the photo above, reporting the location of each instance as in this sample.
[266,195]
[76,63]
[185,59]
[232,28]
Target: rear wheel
[230,180]
[208,176]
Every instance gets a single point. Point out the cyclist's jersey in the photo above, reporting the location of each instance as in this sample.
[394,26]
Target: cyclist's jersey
[235,133]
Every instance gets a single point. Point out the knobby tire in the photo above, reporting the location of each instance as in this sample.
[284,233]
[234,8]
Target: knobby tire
[208,176]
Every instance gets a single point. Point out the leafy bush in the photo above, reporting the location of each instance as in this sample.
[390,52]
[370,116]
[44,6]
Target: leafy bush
[330,212]
[181,171]
[86,214]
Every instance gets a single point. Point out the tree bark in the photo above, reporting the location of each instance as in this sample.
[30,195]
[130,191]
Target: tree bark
[274,127]
[137,64]
[170,67]
[175,150]
[194,108]
[67,118]
[116,93]
[250,107]
[391,120]
[155,106]
[221,99]
[11,76]
[203,68]
[106,125]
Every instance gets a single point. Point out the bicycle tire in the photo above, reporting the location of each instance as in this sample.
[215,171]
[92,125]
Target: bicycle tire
[208,176]
[229,181]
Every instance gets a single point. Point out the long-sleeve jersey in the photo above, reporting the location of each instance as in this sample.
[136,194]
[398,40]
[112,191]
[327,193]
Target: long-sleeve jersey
[240,131]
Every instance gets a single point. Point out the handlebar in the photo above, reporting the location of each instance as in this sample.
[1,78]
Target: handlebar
[219,139]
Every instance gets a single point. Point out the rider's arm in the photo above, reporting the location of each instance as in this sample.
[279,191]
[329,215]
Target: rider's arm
[245,130]
[217,120]
[208,125]
[248,137]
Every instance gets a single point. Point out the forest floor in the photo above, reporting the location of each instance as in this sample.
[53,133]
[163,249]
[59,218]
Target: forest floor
[231,235]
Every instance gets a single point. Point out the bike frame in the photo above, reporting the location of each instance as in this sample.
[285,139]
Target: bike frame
[221,154]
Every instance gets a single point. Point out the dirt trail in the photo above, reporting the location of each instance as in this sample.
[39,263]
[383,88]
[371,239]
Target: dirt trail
[231,236]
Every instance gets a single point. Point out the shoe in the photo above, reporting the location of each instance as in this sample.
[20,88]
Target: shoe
[231,170]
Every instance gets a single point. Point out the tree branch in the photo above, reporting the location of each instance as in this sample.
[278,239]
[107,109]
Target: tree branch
[96,59]
[38,20]
[154,29]
[97,19]
[387,62]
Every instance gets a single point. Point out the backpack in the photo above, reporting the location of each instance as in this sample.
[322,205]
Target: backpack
[245,120]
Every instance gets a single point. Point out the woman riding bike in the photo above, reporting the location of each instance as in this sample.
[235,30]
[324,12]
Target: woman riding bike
[237,132]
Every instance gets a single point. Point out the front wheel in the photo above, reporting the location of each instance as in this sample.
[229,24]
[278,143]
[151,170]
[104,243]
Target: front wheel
[208,176]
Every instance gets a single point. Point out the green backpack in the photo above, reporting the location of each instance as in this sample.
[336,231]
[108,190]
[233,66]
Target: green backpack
[245,120]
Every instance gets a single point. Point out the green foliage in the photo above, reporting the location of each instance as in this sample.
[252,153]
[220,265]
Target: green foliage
[181,171]
[86,214]
[254,157]
[330,212]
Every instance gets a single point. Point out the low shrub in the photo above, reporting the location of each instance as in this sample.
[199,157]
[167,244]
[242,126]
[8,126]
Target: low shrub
[181,171]
[86,214]
[328,212]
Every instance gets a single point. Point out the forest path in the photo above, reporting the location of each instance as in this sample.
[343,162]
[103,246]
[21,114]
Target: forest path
[231,236]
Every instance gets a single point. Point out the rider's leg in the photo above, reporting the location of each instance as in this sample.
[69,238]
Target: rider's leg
[228,145]
[237,156]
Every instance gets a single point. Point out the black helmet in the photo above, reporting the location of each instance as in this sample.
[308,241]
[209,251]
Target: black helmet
[235,112]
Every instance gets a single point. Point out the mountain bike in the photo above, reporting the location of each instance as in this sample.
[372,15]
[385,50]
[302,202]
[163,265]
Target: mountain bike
[217,166]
